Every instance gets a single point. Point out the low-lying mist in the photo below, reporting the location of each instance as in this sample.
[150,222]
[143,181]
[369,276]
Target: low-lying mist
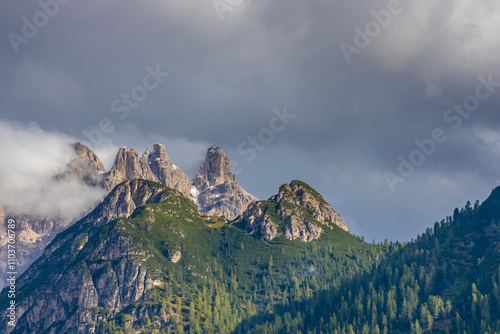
[31,158]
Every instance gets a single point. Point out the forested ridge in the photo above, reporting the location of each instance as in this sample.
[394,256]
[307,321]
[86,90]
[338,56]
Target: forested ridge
[445,281]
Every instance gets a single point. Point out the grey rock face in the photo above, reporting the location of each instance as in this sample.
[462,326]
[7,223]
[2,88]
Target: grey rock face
[259,223]
[215,170]
[86,153]
[166,172]
[297,211]
[154,166]
[33,235]
[127,166]
[125,198]
[217,188]
[86,166]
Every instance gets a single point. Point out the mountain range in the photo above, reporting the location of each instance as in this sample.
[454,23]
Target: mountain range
[215,190]
[162,254]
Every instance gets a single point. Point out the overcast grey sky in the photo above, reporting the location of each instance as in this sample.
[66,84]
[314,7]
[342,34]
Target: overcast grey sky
[358,93]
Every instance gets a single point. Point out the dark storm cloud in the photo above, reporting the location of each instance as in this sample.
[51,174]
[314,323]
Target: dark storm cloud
[353,120]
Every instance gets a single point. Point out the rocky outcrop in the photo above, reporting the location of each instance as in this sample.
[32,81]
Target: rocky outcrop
[166,172]
[216,188]
[259,223]
[86,166]
[174,255]
[86,153]
[215,170]
[297,212]
[125,198]
[300,194]
[127,166]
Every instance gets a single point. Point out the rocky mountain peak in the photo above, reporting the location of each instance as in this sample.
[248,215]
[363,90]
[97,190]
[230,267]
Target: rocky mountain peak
[167,173]
[86,166]
[126,197]
[217,188]
[302,212]
[86,153]
[120,202]
[215,170]
[127,166]
[152,165]
[159,156]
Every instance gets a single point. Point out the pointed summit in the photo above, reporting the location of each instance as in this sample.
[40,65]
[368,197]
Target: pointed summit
[215,170]
[166,172]
[297,211]
[86,153]
[217,188]
[86,166]
[153,166]
[127,166]
[158,158]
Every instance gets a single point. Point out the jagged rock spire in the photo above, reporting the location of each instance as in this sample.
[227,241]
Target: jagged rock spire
[217,188]
[86,166]
[127,166]
[153,166]
[215,170]
[166,172]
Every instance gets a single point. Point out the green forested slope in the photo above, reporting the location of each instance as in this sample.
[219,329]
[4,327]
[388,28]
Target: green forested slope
[446,281]
[169,268]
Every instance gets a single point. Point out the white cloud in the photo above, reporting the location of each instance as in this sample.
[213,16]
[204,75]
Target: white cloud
[31,157]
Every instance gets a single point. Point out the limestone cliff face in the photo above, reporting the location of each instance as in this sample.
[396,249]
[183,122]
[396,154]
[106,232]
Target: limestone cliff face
[166,172]
[125,198]
[217,189]
[127,166]
[91,265]
[33,235]
[86,166]
[86,153]
[154,166]
[297,212]
[215,170]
